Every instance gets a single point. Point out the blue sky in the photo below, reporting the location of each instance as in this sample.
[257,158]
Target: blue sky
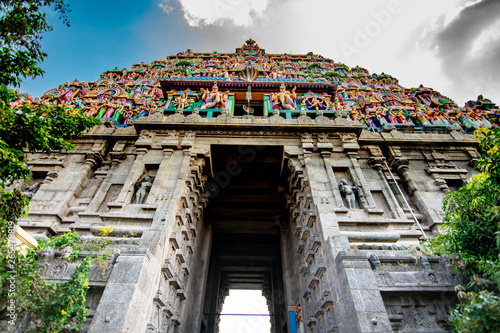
[452,46]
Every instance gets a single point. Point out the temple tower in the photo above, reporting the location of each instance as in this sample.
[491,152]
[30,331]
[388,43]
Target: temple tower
[266,180]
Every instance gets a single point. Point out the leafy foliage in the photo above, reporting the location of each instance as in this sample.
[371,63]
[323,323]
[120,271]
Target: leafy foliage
[489,141]
[21,26]
[479,312]
[33,126]
[68,308]
[471,237]
[28,126]
[12,205]
[52,307]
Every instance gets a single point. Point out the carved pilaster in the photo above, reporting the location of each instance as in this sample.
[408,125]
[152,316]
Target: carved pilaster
[95,159]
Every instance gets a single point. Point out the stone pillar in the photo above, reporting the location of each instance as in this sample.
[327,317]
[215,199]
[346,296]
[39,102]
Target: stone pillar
[117,156]
[356,288]
[402,168]
[103,189]
[127,302]
[125,305]
[136,171]
[320,175]
[378,164]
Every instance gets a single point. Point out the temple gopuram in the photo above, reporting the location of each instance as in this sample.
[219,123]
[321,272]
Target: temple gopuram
[291,174]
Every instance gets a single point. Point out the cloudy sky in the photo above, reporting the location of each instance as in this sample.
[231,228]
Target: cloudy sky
[452,46]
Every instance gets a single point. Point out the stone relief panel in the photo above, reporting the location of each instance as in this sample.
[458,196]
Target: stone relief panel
[413,312]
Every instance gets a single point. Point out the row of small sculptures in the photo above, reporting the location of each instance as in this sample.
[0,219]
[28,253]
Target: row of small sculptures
[123,110]
[373,117]
[229,63]
[228,66]
[214,99]
[467,118]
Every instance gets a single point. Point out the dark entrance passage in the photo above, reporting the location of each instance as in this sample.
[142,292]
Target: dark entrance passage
[245,213]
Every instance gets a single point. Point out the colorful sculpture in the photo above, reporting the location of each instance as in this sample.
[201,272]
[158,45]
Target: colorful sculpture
[371,99]
[214,99]
[284,99]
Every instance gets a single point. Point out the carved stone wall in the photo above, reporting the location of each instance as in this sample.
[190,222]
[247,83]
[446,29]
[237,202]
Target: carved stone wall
[354,204]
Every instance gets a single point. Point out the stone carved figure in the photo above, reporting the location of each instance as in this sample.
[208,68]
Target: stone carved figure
[142,189]
[374,261]
[32,190]
[348,192]
[276,118]
[361,195]
[195,116]
[46,255]
[66,252]
[304,118]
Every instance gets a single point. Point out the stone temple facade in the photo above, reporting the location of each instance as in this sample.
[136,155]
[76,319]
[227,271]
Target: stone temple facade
[296,175]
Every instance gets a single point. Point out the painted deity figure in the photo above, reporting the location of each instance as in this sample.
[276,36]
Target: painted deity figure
[370,118]
[316,103]
[128,115]
[353,115]
[465,121]
[337,104]
[284,98]
[181,102]
[110,110]
[380,114]
[214,99]
[422,118]
[392,116]
[92,109]
[402,119]
[143,110]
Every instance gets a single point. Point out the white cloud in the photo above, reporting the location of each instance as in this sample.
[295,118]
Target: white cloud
[467,43]
[164,5]
[402,38]
[489,36]
[453,13]
[199,13]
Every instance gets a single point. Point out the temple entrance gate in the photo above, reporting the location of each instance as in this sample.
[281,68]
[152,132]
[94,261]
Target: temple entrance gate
[245,213]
